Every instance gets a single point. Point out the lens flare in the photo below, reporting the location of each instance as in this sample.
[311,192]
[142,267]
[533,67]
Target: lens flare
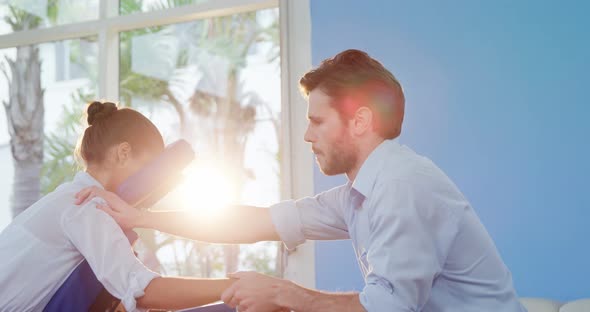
[207,190]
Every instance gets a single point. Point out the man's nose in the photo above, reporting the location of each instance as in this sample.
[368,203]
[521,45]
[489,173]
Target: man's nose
[308,135]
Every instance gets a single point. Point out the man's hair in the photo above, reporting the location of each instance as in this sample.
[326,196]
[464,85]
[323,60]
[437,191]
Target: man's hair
[353,79]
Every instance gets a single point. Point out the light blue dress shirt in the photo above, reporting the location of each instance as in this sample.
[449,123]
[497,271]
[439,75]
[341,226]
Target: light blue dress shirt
[419,244]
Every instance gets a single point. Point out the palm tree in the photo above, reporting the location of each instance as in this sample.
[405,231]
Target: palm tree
[25,111]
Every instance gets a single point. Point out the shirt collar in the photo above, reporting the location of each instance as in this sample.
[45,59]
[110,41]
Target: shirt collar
[367,175]
[86,179]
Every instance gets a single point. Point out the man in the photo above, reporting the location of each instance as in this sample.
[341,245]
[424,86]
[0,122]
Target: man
[419,244]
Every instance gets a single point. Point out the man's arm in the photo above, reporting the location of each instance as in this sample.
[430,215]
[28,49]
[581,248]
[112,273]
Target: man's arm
[298,298]
[237,225]
[409,237]
[257,292]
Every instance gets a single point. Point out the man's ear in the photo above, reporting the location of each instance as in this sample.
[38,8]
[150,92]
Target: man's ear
[123,154]
[362,121]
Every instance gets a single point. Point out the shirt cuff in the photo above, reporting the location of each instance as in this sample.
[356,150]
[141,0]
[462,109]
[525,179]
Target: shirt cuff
[287,222]
[138,281]
[377,296]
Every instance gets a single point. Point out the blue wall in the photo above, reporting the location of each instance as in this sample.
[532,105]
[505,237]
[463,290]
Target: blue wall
[497,95]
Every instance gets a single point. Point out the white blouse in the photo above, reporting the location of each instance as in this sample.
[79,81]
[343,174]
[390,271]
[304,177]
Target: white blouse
[45,243]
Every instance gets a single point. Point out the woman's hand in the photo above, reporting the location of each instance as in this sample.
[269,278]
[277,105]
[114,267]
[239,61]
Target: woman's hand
[124,214]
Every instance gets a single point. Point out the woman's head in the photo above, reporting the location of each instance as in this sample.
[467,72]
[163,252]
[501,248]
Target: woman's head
[117,141]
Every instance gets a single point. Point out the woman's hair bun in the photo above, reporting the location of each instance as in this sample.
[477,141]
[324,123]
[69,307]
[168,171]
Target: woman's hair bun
[98,111]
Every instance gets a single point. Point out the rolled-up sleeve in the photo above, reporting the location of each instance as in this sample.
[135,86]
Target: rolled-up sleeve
[320,217]
[410,238]
[108,252]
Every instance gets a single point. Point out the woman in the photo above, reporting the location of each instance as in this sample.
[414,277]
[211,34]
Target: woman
[43,245]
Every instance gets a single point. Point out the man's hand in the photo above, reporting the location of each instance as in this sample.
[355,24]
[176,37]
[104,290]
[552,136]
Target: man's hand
[253,292]
[125,215]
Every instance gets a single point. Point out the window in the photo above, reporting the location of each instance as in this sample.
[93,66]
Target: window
[20,15]
[216,83]
[221,74]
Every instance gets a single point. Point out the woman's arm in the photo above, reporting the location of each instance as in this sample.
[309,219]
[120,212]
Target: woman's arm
[102,243]
[181,293]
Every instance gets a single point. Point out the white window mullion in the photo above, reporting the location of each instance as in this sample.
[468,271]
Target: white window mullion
[297,170]
[108,53]
[56,33]
[110,8]
[190,12]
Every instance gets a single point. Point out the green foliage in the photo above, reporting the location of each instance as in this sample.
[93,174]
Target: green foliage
[130,6]
[132,84]
[60,163]
[167,4]
[19,19]
[261,260]
[135,6]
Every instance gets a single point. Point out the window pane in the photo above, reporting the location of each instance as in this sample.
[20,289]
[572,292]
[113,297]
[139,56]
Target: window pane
[215,83]
[135,6]
[17,15]
[57,78]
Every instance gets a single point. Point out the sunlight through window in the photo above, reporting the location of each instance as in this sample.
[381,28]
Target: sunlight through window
[207,189]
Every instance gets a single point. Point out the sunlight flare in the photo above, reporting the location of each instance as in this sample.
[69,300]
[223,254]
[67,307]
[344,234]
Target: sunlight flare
[207,189]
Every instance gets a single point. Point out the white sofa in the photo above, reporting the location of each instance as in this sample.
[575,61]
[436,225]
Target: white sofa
[544,305]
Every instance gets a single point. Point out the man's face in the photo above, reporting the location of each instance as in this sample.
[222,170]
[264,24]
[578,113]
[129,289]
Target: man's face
[330,139]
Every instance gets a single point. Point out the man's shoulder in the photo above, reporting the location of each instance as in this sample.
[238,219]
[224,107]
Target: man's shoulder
[411,169]
[422,183]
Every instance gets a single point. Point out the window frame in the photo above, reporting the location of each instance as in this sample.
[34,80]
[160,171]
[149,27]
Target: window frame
[295,43]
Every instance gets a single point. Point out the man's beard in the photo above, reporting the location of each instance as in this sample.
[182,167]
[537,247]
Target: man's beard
[341,157]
